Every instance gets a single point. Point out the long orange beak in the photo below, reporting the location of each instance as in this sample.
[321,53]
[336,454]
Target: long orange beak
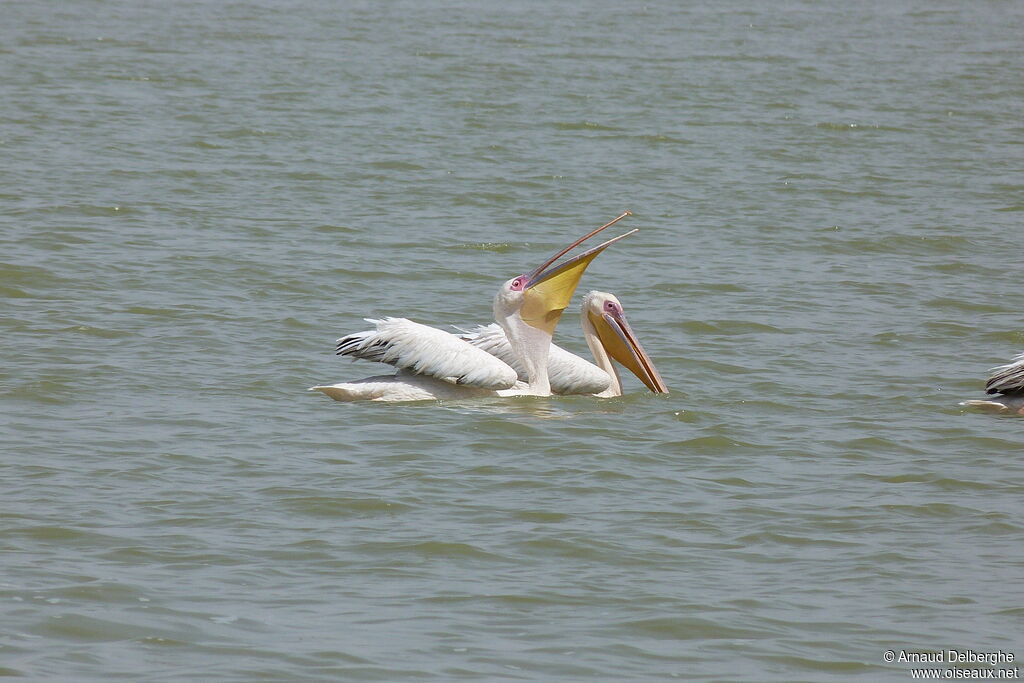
[618,339]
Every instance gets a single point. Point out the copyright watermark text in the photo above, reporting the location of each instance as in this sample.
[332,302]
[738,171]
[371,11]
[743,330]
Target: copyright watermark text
[955,664]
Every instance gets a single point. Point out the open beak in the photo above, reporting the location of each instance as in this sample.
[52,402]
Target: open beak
[619,341]
[549,288]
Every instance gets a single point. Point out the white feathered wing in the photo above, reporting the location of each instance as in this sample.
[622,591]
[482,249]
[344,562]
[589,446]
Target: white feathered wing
[424,350]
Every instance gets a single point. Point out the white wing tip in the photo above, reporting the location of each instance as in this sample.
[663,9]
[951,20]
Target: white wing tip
[988,406]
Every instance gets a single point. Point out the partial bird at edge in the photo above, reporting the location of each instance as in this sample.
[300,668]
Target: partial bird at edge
[1008,382]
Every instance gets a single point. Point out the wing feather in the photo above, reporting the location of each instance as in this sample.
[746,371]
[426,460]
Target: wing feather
[425,350]
[491,338]
[567,372]
[1007,379]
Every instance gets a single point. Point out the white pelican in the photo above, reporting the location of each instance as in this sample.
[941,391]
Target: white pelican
[434,364]
[1008,381]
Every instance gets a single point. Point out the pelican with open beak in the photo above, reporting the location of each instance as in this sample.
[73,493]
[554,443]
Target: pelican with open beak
[433,364]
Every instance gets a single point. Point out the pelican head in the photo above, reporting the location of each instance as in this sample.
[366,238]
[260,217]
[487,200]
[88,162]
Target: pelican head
[529,306]
[540,297]
[603,313]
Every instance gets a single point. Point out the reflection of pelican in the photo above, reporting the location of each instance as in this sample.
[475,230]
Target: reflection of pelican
[608,335]
[435,364]
[1008,381]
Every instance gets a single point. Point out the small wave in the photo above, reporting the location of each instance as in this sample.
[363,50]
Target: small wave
[13,293]
[825,665]
[950,304]
[83,628]
[102,332]
[395,166]
[914,245]
[583,125]
[857,127]
[690,628]
[339,506]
